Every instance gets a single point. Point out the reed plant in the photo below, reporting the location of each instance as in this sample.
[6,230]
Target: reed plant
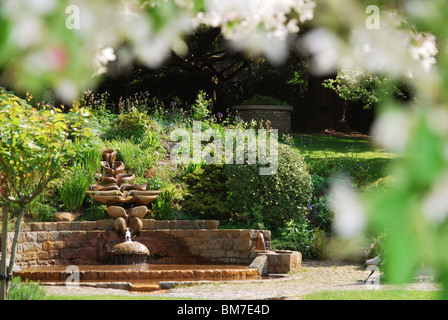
[74,186]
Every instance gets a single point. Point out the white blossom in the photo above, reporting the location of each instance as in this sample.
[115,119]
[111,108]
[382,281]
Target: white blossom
[435,203]
[102,58]
[392,130]
[392,49]
[260,26]
[350,216]
[424,49]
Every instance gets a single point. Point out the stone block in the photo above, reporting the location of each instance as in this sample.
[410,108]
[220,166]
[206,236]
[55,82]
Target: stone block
[31,247]
[77,235]
[63,226]
[211,224]
[50,226]
[89,225]
[148,224]
[161,224]
[199,224]
[37,226]
[106,224]
[31,236]
[53,235]
[76,225]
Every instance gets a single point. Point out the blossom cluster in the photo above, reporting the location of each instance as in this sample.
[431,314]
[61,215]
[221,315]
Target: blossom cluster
[260,26]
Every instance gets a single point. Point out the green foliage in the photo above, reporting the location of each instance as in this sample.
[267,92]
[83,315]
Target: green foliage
[101,118]
[163,206]
[319,246]
[27,290]
[284,195]
[381,185]
[138,157]
[77,179]
[296,235]
[74,186]
[319,214]
[207,193]
[94,211]
[44,211]
[262,99]
[359,86]
[301,236]
[201,110]
[129,124]
[34,145]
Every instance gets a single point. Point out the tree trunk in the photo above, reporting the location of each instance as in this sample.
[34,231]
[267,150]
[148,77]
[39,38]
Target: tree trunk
[3,282]
[323,111]
[16,238]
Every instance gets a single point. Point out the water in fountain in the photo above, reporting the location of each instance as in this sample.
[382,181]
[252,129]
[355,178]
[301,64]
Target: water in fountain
[261,243]
[127,237]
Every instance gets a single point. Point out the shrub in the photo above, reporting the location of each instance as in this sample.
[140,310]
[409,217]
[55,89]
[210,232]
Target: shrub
[319,244]
[201,110]
[132,124]
[163,207]
[284,195]
[207,193]
[297,236]
[94,211]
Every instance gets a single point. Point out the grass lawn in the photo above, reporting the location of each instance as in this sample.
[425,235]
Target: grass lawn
[327,155]
[395,294]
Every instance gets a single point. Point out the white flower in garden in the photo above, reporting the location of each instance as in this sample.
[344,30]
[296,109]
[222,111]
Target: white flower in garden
[350,216]
[392,129]
[435,204]
[391,49]
[67,90]
[424,49]
[325,50]
[259,26]
[102,58]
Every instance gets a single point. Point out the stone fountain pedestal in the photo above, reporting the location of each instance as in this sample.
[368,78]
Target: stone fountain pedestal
[129,252]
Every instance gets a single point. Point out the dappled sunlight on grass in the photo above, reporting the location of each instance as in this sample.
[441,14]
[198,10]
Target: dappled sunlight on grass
[328,155]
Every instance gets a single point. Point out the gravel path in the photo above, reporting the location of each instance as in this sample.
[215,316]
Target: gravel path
[315,276]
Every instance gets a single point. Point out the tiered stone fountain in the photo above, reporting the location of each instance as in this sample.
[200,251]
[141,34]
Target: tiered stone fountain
[127,203]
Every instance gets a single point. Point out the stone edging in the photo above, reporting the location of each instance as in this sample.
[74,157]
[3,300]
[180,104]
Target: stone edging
[108,224]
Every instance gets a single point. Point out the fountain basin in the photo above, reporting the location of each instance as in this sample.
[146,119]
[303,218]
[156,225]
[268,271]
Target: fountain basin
[140,273]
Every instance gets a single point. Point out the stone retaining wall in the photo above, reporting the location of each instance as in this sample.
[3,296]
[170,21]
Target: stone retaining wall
[279,116]
[176,241]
